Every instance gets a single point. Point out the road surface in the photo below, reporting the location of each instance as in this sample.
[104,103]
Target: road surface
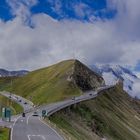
[27,105]
[33,128]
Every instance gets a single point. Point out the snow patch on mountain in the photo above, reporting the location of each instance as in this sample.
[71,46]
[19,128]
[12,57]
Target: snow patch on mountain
[5,73]
[111,74]
[109,78]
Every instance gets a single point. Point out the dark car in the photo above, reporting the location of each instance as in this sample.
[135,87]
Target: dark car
[23,114]
[19,100]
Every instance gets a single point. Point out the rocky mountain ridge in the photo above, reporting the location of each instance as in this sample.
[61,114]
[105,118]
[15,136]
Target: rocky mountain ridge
[6,73]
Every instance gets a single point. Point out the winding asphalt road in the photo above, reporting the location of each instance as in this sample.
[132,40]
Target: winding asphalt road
[32,127]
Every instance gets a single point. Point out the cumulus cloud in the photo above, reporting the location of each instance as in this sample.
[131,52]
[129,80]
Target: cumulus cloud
[49,41]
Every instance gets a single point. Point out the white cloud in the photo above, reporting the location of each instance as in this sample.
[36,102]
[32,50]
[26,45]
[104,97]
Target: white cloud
[58,6]
[81,10]
[110,41]
[21,8]
[136,89]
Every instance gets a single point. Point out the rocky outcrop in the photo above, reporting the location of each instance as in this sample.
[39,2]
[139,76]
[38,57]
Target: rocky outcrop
[85,78]
[120,83]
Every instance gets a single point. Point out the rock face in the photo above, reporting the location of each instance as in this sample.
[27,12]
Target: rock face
[85,78]
[120,83]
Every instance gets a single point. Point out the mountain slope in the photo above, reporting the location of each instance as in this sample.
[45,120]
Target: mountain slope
[57,82]
[6,81]
[111,116]
[111,73]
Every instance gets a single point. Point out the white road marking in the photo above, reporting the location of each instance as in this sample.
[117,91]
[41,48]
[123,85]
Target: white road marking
[51,129]
[13,127]
[28,119]
[41,136]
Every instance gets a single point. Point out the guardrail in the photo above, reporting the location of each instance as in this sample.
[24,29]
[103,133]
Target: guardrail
[66,105]
[49,113]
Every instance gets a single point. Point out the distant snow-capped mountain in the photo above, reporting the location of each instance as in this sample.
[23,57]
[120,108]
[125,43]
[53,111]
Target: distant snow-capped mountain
[111,74]
[5,73]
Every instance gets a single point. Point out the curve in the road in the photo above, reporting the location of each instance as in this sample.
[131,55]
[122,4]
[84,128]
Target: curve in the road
[51,109]
[26,104]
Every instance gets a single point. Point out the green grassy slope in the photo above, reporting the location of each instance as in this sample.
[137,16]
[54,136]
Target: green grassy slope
[6,82]
[5,102]
[4,133]
[111,115]
[47,85]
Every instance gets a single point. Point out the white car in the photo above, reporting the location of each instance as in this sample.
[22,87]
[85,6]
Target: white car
[35,114]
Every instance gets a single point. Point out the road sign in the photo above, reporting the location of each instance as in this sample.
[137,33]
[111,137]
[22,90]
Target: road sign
[6,114]
[44,113]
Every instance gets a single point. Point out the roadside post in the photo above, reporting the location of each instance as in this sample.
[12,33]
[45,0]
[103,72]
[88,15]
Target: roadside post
[3,114]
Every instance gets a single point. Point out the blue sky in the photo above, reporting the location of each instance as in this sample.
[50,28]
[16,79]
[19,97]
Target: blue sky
[93,31]
[66,10]
[5,10]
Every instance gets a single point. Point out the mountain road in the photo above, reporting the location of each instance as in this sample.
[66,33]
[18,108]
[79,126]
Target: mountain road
[32,127]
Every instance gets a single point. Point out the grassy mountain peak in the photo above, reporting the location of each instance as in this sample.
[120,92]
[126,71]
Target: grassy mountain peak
[57,82]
